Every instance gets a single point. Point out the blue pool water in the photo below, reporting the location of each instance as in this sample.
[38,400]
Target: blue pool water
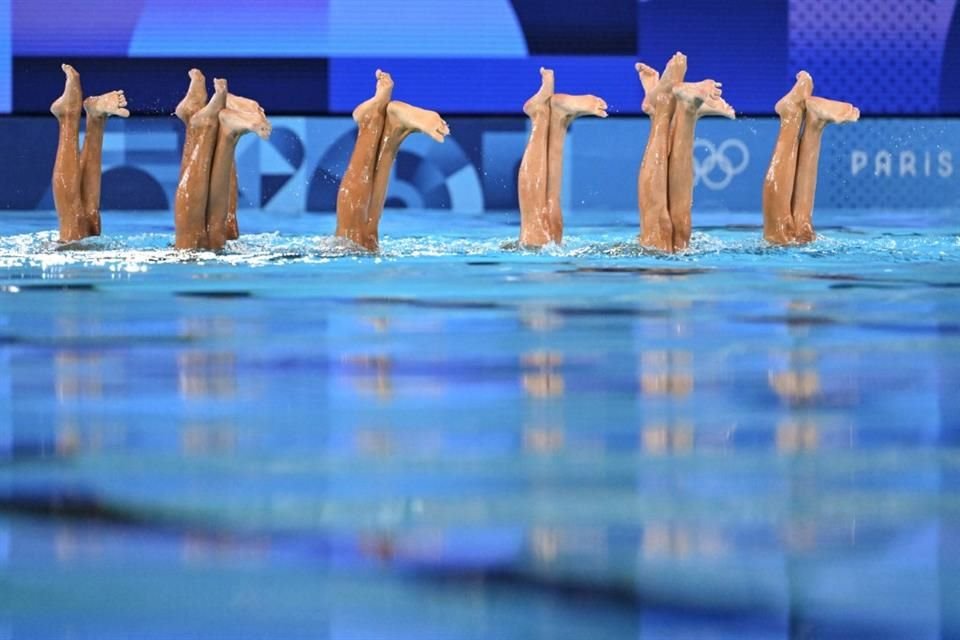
[456,439]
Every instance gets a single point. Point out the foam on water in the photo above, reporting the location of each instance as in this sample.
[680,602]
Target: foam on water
[722,247]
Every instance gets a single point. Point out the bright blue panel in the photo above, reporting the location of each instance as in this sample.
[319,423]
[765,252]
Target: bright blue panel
[5,53]
[485,86]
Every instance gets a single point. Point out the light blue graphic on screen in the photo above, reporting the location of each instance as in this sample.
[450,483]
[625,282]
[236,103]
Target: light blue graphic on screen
[5,53]
[307,28]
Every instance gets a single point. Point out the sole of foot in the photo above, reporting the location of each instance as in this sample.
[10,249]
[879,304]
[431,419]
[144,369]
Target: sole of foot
[245,122]
[417,119]
[649,77]
[716,107]
[696,93]
[832,110]
[576,106]
[112,103]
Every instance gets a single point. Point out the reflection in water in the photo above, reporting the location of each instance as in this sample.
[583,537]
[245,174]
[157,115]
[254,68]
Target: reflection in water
[204,374]
[660,439]
[540,319]
[541,378]
[207,383]
[666,373]
[374,375]
[79,383]
[683,541]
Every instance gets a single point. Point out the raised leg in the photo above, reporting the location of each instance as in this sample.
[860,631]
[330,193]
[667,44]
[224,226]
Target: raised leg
[778,224]
[233,227]
[190,204]
[532,177]
[233,124]
[66,183]
[564,109]
[402,120]
[195,98]
[656,227]
[691,97]
[98,109]
[356,187]
[820,112]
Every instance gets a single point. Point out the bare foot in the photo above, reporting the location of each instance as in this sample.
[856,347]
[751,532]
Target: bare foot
[716,107]
[649,77]
[570,107]
[196,96]
[676,69]
[417,119]
[694,94]
[109,104]
[793,102]
[378,102]
[238,122]
[832,110]
[239,103]
[662,92]
[541,99]
[70,101]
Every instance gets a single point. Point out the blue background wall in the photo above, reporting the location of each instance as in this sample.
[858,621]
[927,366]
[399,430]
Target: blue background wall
[885,163]
[481,56]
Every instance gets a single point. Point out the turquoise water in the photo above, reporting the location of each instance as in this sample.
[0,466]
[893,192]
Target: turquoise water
[456,439]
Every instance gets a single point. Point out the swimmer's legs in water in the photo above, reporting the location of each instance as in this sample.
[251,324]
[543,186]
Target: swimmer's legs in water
[402,120]
[819,112]
[76,173]
[532,178]
[190,205]
[778,184]
[239,117]
[656,227]
[67,194]
[564,109]
[356,187]
[98,109]
[694,99]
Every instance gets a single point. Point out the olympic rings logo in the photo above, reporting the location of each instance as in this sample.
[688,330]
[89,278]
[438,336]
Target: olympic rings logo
[715,169]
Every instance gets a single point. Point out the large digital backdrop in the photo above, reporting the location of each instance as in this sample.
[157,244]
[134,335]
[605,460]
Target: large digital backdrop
[481,56]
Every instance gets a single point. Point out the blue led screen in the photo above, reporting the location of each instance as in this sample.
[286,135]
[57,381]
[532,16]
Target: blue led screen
[481,56]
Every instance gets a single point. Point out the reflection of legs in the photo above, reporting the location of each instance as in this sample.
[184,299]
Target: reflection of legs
[655,225]
[532,178]
[190,206]
[356,187]
[67,195]
[819,113]
[690,98]
[98,109]
[234,122]
[402,120]
[564,109]
[778,224]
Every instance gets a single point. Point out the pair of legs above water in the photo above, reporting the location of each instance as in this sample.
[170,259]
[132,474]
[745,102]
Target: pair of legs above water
[790,184]
[541,169]
[205,206]
[382,125]
[76,172]
[665,180]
